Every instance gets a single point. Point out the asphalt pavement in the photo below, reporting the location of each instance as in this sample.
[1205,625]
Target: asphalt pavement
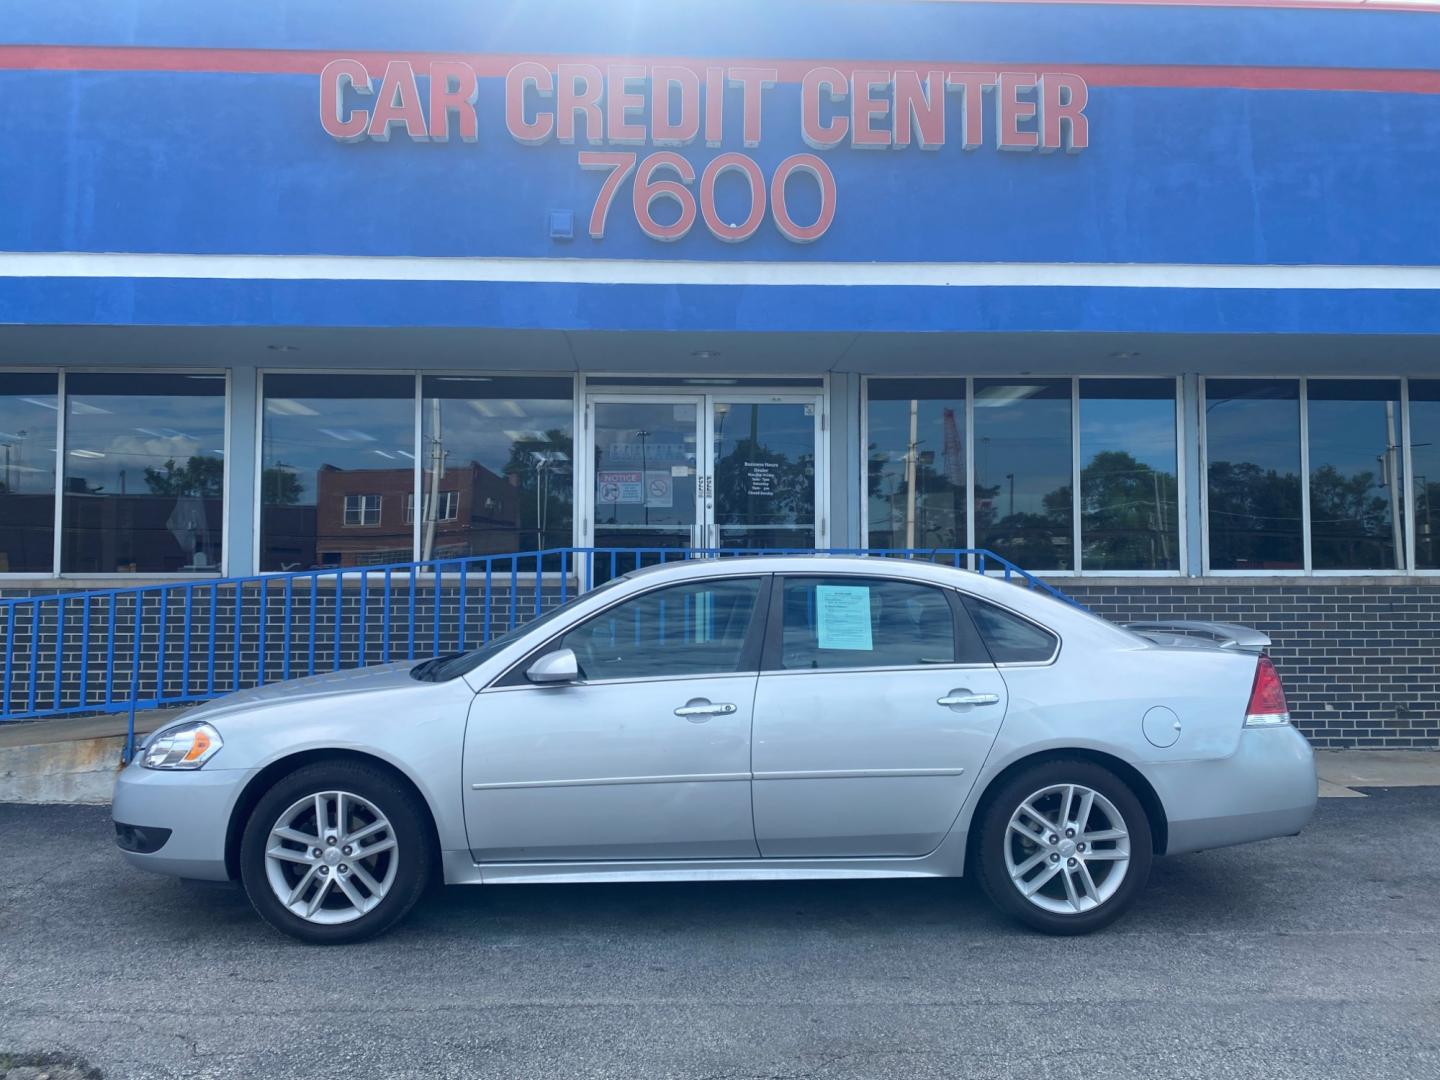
[1313,957]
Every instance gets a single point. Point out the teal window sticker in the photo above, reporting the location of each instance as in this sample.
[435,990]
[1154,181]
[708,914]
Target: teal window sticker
[842,617]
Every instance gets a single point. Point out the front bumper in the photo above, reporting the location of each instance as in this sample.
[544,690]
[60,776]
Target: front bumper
[1266,788]
[192,807]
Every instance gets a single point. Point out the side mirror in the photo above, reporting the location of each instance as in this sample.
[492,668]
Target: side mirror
[559,666]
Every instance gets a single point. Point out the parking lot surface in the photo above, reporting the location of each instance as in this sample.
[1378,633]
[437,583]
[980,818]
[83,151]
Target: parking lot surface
[1314,957]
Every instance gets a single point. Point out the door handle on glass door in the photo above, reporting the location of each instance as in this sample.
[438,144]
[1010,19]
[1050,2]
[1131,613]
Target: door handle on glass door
[698,710]
[965,697]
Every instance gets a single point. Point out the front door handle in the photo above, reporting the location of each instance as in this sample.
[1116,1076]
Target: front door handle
[698,710]
[965,697]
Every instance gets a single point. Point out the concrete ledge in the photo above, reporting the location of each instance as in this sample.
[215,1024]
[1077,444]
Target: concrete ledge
[68,760]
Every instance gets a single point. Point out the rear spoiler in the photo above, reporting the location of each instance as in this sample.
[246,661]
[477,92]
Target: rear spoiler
[1220,635]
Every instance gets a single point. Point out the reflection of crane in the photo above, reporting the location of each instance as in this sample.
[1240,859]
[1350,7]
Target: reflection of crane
[954,450]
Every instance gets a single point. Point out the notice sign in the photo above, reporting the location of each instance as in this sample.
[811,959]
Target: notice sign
[842,617]
[617,487]
[760,477]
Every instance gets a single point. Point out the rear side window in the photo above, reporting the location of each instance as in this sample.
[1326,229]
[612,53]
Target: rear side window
[856,622]
[1011,639]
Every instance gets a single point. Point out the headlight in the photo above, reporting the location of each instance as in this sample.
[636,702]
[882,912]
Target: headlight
[187,746]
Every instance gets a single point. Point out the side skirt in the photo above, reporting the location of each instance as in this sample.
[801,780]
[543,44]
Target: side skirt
[461,869]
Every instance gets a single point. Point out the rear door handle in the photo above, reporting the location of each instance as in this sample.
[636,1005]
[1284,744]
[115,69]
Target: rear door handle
[698,710]
[965,697]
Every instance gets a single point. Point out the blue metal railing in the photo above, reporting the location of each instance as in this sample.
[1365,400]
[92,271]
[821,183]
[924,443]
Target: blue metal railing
[120,650]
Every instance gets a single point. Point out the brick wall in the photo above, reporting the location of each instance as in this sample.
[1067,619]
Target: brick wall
[1360,660]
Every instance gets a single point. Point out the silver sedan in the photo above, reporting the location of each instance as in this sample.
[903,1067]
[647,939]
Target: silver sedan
[764,718]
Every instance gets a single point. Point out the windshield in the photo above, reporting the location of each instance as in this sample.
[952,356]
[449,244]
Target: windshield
[450,667]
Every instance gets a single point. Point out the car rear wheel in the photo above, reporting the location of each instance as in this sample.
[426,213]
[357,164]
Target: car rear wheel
[1064,847]
[336,852]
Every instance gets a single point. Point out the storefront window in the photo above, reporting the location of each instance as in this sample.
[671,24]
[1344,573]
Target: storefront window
[144,474]
[1252,442]
[1129,506]
[29,410]
[1023,486]
[915,463]
[1356,461]
[498,465]
[337,465]
[1425,466]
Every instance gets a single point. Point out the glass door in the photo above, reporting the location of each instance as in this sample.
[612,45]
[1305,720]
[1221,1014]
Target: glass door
[711,470]
[645,472]
[766,469]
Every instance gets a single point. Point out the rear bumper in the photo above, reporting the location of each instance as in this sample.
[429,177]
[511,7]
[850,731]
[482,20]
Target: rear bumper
[188,814]
[1266,788]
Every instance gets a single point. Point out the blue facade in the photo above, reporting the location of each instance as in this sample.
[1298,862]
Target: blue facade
[1189,163]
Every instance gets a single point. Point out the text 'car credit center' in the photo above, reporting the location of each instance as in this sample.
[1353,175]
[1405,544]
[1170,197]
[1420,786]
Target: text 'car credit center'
[1143,297]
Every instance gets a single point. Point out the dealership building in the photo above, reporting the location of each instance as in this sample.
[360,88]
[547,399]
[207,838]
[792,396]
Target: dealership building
[1142,297]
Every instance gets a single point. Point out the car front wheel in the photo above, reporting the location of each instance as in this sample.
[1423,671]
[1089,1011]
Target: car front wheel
[335,853]
[1064,846]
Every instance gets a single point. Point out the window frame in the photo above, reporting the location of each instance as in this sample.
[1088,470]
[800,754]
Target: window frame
[419,375]
[447,496]
[363,509]
[226,567]
[1407,567]
[513,678]
[967,384]
[964,627]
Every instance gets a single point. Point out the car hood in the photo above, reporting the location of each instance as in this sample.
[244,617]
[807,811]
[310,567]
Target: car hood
[332,684]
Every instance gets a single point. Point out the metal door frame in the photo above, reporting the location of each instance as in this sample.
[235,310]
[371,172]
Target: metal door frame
[704,531]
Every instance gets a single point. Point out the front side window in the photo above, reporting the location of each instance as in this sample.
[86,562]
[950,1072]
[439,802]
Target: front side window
[1253,475]
[694,629]
[329,443]
[855,622]
[915,463]
[29,410]
[1009,638]
[1356,462]
[1024,509]
[143,473]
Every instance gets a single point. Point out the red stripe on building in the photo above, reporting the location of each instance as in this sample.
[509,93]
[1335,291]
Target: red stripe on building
[494,65]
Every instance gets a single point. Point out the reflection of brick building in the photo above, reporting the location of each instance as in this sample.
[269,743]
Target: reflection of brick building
[366,516]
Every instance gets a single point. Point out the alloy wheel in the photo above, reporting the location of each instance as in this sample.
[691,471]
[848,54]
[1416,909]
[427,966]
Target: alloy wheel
[1067,849]
[331,857]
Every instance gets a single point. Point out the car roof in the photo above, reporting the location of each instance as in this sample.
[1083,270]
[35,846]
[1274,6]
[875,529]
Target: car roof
[1011,593]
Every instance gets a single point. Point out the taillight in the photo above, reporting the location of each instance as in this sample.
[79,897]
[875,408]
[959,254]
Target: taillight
[1267,698]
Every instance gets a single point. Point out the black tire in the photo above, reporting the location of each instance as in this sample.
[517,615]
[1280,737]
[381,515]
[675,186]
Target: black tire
[989,856]
[414,852]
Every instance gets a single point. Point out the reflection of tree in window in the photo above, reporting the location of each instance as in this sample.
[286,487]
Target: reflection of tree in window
[1252,433]
[540,470]
[200,475]
[1127,514]
[1254,516]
